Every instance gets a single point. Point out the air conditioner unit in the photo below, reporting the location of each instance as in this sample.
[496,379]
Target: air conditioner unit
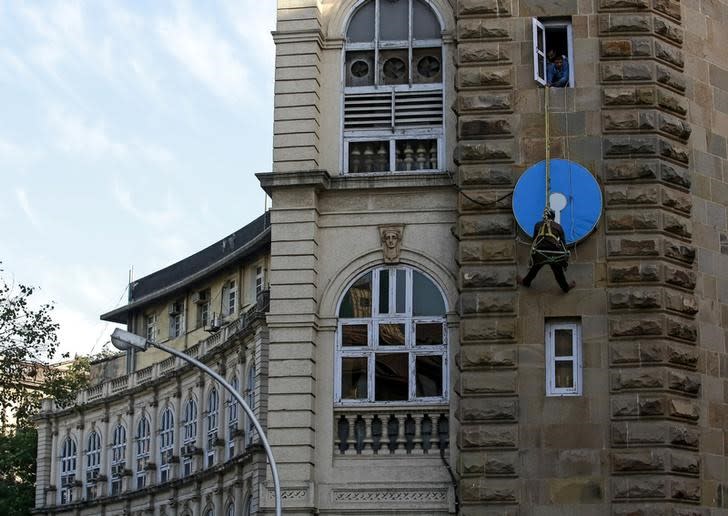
[359,68]
[175,308]
[200,297]
[426,65]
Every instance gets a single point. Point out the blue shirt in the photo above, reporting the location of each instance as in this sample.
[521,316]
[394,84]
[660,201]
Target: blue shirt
[558,78]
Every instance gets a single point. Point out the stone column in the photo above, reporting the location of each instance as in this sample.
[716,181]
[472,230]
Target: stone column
[106,442]
[153,475]
[45,461]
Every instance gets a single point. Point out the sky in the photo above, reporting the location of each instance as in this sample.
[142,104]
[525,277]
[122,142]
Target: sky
[130,133]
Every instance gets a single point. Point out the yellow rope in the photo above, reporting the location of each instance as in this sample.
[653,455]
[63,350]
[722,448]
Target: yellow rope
[548,147]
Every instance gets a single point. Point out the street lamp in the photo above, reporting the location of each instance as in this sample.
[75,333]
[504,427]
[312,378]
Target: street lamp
[126,341]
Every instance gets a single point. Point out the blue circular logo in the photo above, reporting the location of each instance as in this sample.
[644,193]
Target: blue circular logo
[574,194]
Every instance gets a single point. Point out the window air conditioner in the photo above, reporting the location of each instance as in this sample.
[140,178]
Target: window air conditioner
[175,308]
[199,297]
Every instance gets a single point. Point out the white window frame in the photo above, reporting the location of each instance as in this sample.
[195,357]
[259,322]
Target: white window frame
[93,463]
[177,321]
[250,400]
[151,327]
[233,418]
[229,302]
[68,467]
[576,358]
[213,425]
[373,348]
[118,459]
[166,443]
[542,26]
[143,449]
[259,278]
[189,433]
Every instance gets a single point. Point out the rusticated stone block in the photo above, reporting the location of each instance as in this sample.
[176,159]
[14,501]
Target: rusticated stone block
[484,7]
[630,170]
[669,54]
[678,201]
[472,175]
[671,102]
[487,53]
[685,463]
[677,225]
[668,30]
[638,487]
[575,491]
[624,509]
[683,489]
[615,48]
[682,355]
[628,120]
[670,77]
[674,151]
[485,102]
[680,277]
[482,201]
[488,329]
[472,463]
[486,151]
[484,77]
[632,194]
[632,220]
[606,5]
[483,127]
[681,435]
[688,383]
[628,96]
[488,409]
[678,251]
[628,247]
[669,7]
[649,406]
[492,382]
[632,273]
[482,29]
[630,71]
[624,23]
[628,379]
[682,330]
[681,302]
[487,357]
[674,126]
[651,352]
[638,461]
[675,175]
[624,353]
[501,464]
[486,225]
[624,406]
[487,302]
[649,326]
[685,409]
[635,299]
[488,277]
[639,433]
[621,146]
[487,251]
[488,436]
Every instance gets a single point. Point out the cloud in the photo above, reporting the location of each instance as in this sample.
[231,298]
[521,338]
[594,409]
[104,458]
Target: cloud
[24,203]
[166,215]
[253,22]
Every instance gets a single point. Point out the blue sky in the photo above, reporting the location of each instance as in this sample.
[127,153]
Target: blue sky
[130,134]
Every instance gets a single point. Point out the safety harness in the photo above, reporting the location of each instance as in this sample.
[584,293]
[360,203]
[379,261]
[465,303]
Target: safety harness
[548,246]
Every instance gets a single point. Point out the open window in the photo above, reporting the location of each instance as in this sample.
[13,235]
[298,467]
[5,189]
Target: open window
[553,51]
[563,358]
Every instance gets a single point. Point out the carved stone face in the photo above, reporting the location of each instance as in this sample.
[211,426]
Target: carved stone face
[390,239]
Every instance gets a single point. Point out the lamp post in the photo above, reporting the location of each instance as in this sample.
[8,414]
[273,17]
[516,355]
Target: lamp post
[125,341]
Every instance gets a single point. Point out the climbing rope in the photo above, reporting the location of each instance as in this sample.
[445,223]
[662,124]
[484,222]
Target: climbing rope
[548,148]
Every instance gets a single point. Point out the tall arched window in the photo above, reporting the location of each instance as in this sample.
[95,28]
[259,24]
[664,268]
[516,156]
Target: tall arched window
[213,420]
[230,509]
[68,469]
[118,458]
[232,418]
[250,400]
[189,436]
[166,444]
[93,463]
[248,507]
[391,341]
[393,97]
[143,441]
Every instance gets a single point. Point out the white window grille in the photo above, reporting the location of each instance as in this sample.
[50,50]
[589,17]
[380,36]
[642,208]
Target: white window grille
[563,358]
[166,444]
[118,459]
[189,435]
[232,418]
[391,341]
[68,469]
[143,442]
[552,39]
[250,400]
[93,463]
[213,410]
[394,98]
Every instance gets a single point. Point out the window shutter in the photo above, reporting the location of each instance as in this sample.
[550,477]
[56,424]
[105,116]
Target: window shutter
[539,52]
[391,110]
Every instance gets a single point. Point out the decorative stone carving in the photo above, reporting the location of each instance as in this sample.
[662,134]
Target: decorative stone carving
[391,238]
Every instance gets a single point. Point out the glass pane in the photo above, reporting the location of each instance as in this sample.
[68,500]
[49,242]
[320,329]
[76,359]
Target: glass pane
[540,39]
[428,334]
[394,20]
[391,377]
[391,334]
[564,374]
[354,378]
[368,156]
[361,26]
[416,154]
[358,300]
[426,297]
[354,335]
[541,64]
[563,343]
[429,376]
[401,291]
[384,292]
[424,22]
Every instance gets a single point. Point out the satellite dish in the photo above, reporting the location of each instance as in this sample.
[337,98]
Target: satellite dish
[574,195]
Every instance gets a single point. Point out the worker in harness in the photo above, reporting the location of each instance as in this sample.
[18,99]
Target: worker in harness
[549,248]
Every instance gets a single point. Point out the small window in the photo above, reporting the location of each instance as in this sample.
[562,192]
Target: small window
[189,436]
[166,444]
[213,411]
[229,298]
[176,319]
[202,300]
[93,464]
[553,52]
[563,358]
[68,470]
[118,459]
[259,279]
[143,441]
[151,326]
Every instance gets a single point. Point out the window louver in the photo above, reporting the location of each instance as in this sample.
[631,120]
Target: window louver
[399,109]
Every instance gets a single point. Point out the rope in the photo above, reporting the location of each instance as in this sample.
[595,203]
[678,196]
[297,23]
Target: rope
[548,147]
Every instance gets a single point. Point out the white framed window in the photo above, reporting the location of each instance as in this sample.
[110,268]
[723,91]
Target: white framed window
[189,436]
[202,300]
[93,463]
[166,444]
[553,51]
[118,458]
[143,442]
[563,358]
[150,321]
[393,97]
[250,400]
[232,406]
[391,340]
[176,319]
[259,279]
[213,420]
[229,298]
[68,469]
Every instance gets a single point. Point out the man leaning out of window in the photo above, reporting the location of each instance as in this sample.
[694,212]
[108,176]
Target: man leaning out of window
[557,71]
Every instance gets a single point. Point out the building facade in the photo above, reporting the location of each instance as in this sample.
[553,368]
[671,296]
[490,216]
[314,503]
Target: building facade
[400,368]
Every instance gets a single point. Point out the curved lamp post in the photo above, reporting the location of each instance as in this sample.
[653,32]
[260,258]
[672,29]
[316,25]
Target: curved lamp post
[125,341]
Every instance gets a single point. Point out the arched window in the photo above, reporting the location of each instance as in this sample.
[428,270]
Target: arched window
[393,97]
[232,418]
[230,509]
[213,411]
[166,444]
[68,469]
[93,463]
[210,511]
[391,341]
[250,400]
[143,441]
[189,436]
[248,507]
[118,458]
